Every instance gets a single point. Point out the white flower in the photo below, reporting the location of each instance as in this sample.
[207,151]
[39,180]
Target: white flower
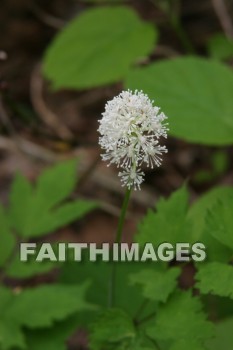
[130,130]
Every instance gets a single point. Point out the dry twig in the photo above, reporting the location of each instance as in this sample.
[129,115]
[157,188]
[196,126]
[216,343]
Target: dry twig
[224,17]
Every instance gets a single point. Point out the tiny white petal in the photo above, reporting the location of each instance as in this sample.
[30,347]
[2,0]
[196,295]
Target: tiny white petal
[130,130]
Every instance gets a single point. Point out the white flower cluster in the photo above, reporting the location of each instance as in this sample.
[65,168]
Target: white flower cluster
[130,130]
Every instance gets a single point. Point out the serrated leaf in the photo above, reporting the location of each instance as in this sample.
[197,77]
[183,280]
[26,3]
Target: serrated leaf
[219,221]
[49,304]
[201,231]
[56,183]
[92,54]
[196,95]
[220,47]
[223,336]
[215,278]
[157,285]
[41,209]
[111,328]
[167,224]
[7,240]
[181,319]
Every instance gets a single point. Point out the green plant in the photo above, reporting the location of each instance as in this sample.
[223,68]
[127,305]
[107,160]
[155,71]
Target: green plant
[160,314]
[152,310]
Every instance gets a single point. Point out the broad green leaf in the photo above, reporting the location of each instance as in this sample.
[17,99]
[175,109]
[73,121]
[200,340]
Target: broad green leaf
[157,285]
[219,221]
[19,269]
[223,336]
[11,336]
[62,216]
[195,94]
[40,210]
[215,278]
[42,306]
[56,183]
[220,47]
[37,308]
[201,231]
[7,240]
[98,47]
[181,319]
[167,224]
[8,327]
[100,274]
[111,328]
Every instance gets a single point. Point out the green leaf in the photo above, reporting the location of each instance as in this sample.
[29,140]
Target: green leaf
[184,345]
[49,304]
[37,211]
[20,202]
[7,326]
[167,224]
[196,95]
[61,216]
[157,285]
[111,328]
[220,47]
[99,273]
[27,269]
[215,278]
[36,308]
[181,319]
[7,240]
[201,231]
[98,47]
[219,221]
[54,338]
[223,336]
[56,183]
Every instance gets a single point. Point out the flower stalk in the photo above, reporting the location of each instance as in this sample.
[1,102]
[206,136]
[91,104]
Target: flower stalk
[130,130]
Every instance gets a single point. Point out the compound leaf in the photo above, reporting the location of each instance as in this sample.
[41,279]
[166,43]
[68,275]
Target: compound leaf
[40,210]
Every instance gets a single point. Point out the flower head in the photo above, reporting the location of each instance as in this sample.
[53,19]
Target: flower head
[130,130]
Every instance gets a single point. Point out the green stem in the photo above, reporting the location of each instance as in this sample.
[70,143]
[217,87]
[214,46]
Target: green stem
[112,287]
[176,24]
[122,216]
[174,19]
